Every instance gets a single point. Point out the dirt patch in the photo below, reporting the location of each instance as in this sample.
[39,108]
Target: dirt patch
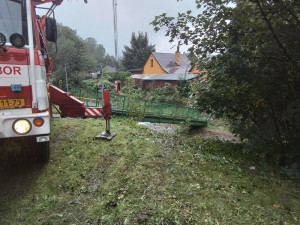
[161,127]
[220,134]
[217,134]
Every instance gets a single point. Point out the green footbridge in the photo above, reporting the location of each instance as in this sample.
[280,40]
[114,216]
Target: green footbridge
[148,111]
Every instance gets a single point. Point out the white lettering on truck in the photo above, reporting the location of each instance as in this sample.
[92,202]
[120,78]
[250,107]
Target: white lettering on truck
[7,70]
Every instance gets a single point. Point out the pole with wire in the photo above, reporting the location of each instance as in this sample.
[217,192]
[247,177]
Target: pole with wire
[66,74]
[107,111]
[116,32]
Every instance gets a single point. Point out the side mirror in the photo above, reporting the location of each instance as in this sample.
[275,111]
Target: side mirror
[51,29]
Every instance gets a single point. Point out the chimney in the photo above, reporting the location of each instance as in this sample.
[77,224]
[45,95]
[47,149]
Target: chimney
[177,55]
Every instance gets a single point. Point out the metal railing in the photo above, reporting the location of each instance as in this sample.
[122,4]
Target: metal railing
[91,98]
[124,104]
[157,111]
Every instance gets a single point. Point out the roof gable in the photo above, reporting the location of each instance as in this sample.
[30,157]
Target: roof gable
[168,64]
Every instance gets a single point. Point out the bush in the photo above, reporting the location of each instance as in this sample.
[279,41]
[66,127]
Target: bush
[168,94]
[134,97]
[121,76]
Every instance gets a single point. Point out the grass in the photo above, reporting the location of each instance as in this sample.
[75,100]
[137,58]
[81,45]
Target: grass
[143,177]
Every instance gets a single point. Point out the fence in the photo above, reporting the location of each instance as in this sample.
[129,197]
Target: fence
[148,110]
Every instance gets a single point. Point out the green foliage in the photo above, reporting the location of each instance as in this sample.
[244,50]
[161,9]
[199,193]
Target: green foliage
[253,75]
[135,56]
[108,79]
[178,95]
[121,76]
[82,56]
[167,94]
[184,88]
[108,85]
[135,107]
[91,84]
[60,84]
[95,55]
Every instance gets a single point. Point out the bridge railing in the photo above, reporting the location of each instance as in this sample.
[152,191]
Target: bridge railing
[91,98]
[124,105]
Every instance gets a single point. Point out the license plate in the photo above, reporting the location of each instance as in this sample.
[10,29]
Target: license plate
[12,103]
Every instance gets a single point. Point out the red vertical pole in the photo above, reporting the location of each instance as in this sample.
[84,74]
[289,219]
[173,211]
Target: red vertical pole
[106,97]
[107,116]
[106,106]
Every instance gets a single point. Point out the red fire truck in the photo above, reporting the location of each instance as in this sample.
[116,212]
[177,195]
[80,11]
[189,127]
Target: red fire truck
[25,65]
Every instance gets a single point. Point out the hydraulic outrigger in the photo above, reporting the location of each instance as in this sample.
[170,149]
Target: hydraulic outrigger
[70,106]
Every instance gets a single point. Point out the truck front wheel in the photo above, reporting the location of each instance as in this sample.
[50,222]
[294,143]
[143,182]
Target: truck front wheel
[42,152]
[36,151]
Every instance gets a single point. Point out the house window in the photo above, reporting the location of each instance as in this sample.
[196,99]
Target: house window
[151,62]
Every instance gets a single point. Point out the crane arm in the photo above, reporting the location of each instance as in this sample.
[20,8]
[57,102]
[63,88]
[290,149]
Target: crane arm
[55,2]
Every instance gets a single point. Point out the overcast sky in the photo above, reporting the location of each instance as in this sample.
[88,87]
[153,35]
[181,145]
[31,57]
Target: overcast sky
[95,19]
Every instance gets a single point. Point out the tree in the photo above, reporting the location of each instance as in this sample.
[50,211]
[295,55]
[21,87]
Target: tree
[135,56]
[70,50]
[250,49]
[96,55]
[82,56]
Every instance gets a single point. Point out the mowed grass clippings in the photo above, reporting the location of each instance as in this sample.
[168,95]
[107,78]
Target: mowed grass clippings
[144,177]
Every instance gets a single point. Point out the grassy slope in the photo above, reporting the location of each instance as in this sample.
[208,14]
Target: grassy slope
[143,177]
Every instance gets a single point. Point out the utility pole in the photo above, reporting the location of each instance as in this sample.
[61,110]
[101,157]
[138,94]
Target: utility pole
[116,32]
[66,74]
[101,85]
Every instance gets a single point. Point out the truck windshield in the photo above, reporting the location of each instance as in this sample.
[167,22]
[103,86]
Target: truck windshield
[13,18]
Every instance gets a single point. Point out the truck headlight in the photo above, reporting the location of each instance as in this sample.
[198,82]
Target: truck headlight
[2,40]
[21,126]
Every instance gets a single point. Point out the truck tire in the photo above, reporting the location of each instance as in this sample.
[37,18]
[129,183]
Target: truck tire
[34,151]
[42,151]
